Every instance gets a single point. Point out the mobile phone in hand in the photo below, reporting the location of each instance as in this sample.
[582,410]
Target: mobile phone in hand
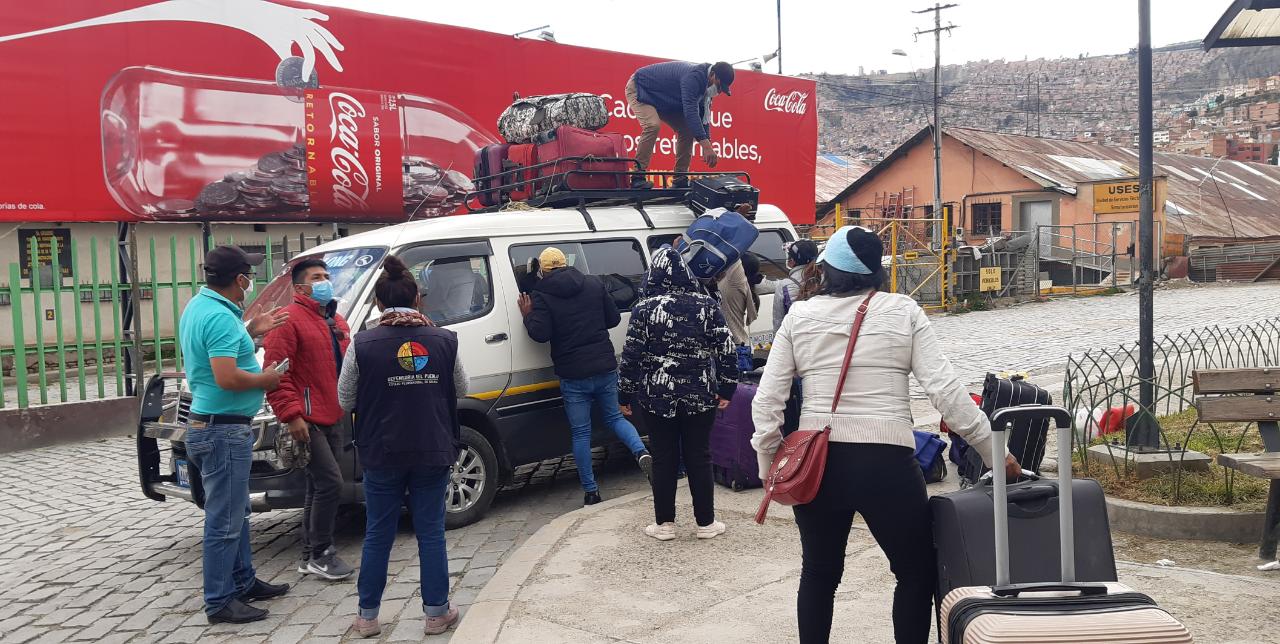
[282,366]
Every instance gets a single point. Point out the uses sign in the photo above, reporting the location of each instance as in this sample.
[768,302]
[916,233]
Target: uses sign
[1121,196]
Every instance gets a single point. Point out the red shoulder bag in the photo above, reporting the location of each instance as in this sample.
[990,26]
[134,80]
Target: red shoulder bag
[796,473]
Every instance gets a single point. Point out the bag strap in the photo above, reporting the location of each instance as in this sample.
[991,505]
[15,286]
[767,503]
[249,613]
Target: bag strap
[848,351]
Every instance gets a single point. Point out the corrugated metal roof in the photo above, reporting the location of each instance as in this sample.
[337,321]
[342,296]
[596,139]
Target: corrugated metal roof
[1207,198]
[1246,23]
[834,174]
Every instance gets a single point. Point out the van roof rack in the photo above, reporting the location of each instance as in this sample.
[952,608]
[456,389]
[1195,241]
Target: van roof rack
[548,187]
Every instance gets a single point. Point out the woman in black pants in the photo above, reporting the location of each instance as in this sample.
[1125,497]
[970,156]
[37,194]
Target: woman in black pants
[678,366]
[871,469]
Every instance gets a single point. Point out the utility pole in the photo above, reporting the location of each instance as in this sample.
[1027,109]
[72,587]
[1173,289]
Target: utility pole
[779,37]
[937,98]
[1145,434]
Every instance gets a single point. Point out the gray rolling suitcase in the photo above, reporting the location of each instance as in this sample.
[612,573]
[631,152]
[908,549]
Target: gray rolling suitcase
[1059,611]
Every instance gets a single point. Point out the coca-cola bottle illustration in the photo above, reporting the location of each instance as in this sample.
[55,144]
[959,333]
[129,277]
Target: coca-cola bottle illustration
[178,145]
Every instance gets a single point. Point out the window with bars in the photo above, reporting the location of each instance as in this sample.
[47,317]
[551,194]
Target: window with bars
[986,218]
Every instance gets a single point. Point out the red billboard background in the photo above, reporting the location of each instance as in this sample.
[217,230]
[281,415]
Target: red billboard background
[62,78]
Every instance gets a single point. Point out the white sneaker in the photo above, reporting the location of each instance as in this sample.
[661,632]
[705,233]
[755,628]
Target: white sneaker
[710,531]
[661,532]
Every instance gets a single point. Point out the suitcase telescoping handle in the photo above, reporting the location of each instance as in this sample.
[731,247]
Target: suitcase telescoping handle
[1000,423]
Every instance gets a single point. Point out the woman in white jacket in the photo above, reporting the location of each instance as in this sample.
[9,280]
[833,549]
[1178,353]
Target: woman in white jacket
[871,469]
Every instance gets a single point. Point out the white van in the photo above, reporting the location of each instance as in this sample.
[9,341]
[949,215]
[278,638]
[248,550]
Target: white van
[467,267]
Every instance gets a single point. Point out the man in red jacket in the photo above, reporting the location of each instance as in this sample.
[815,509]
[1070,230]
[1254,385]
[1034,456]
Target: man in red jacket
[306,403]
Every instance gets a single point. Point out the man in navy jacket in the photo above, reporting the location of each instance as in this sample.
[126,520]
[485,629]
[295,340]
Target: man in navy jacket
[678,94]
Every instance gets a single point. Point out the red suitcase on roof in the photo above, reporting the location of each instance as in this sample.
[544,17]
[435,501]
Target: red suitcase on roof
[570,142]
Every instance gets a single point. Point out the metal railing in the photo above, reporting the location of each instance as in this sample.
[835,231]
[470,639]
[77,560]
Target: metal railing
[67,339]
[1107,378]
[1093,247]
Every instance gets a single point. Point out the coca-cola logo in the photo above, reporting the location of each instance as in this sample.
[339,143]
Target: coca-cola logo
[350,180]
[794,102]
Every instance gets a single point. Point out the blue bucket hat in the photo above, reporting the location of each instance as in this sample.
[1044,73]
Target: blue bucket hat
[853,249]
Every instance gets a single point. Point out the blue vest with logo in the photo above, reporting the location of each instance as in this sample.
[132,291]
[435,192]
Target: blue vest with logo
[406,406]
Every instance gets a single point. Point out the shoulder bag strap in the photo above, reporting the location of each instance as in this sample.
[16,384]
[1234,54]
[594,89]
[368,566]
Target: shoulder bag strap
[848,351]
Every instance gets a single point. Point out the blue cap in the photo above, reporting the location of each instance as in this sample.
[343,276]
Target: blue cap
[842,251]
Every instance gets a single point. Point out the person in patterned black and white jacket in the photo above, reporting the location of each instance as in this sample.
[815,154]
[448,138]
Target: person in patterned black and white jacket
[678,367]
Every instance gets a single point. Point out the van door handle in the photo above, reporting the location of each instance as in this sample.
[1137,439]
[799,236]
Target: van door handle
[494,338]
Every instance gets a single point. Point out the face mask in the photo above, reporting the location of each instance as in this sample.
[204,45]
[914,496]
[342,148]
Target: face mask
[712,91]
[322,291]
[247,289]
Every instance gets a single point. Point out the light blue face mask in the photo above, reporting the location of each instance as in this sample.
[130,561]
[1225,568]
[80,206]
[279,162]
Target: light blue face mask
[322,292]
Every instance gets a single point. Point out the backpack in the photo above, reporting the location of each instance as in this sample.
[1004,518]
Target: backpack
[715,240]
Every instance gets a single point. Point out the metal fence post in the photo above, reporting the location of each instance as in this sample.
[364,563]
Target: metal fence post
[35,307]
[19,338]
[97,314]
[57,319]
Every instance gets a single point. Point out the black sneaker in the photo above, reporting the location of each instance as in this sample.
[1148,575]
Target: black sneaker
[645,461]
[330,566]
[640,183]
[261,590]
[681,183]
[591,498]
[238,612]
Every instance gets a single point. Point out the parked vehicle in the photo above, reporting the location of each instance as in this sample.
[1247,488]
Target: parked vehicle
[468,267]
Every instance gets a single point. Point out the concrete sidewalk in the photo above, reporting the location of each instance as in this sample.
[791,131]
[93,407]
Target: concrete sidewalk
[593,576]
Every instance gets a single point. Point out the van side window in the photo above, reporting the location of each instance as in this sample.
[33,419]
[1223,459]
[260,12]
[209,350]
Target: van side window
[771,245]
[618,262]
[454,288]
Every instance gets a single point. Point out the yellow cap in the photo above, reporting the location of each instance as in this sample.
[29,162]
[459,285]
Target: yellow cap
[551,258]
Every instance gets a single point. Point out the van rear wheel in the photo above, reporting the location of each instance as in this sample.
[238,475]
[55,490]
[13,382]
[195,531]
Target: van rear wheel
[473,481]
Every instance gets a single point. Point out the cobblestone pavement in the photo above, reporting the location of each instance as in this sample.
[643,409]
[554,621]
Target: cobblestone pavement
[83,556]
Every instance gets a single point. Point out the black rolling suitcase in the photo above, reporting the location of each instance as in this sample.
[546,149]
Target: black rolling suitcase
[709,193]
[1050,604]
[962,530]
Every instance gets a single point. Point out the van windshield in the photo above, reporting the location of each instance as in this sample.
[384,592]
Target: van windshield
[348,270]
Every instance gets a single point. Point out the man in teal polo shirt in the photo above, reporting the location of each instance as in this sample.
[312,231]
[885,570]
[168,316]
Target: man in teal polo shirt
[227,387]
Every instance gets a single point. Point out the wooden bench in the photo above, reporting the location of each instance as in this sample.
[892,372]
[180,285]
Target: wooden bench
[1248,396]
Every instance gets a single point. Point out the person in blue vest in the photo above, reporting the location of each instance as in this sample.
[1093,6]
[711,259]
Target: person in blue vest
[403,379]
[227,386]
[678,94]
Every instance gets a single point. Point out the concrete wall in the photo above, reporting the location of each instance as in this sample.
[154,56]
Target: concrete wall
[47,425]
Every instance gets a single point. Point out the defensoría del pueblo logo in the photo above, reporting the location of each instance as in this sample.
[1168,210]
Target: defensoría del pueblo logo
[412,356]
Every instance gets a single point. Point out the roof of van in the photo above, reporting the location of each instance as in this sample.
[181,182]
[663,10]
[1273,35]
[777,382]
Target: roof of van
[533,222]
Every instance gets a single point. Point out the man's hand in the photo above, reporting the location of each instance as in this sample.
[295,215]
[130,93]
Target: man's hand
[269,379]
[709,154]
[299,430]
[722,403]
[525,303]
[625,409]
[743,209]
[1012,469]
[267,322]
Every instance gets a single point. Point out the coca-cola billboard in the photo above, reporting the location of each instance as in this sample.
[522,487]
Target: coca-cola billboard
[249,110]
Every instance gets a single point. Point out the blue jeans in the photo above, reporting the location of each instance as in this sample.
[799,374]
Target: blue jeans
[223,454]
[580,394]
[384,491]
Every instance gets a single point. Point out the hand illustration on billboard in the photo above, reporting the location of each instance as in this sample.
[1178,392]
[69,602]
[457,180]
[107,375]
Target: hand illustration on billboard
[278,26]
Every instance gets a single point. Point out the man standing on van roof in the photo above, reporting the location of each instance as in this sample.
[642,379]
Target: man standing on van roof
[306,404]
[226,393]
[678,94]
[574,312]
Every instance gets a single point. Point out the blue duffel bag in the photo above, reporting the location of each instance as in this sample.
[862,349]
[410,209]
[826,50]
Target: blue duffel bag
[929,456]
[715,240]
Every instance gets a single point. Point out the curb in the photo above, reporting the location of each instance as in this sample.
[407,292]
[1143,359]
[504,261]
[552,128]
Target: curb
[485,617]
[1167,522]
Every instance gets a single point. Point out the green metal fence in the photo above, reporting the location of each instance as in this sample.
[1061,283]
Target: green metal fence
[50,358]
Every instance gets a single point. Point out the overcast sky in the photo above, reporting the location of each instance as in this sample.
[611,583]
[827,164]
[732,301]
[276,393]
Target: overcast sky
[836,36]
